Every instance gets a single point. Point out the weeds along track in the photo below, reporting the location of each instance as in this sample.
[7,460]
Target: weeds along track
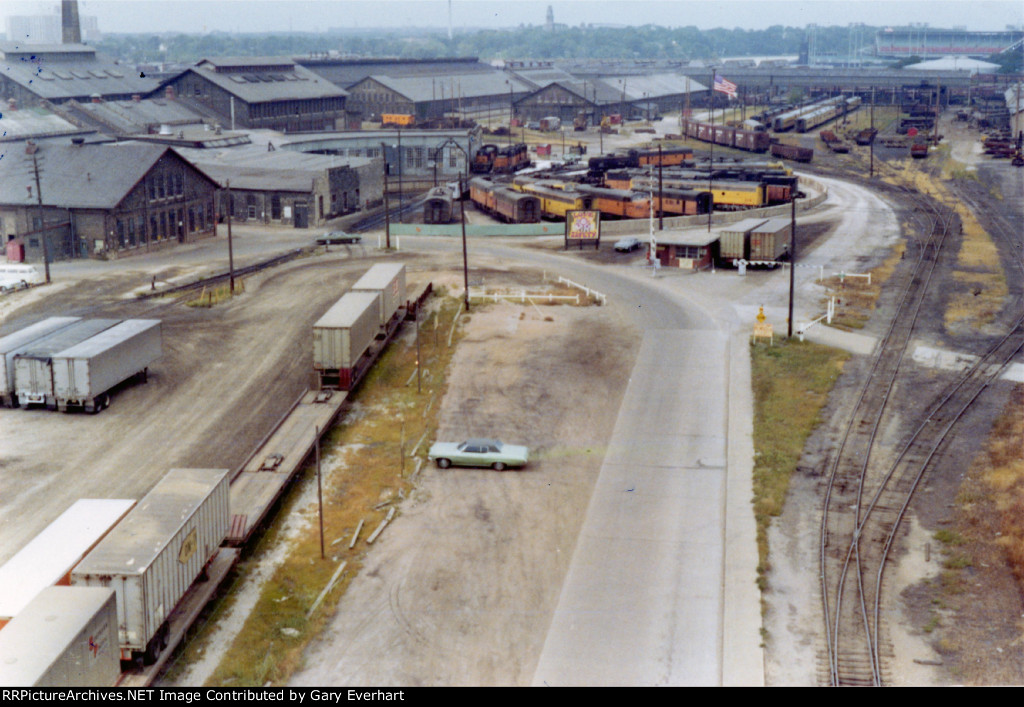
[869,489]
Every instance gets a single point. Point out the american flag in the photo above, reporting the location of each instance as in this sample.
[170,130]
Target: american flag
[727,87]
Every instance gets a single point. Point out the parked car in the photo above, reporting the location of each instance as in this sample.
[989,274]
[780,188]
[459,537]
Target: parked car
[627,245]
[338,237]
[482,452]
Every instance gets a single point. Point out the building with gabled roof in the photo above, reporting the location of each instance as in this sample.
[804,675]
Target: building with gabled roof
[103,200]
[31,74]
[261,92]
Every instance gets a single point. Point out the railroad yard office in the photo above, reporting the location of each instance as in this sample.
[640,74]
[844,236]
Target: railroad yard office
[687,249]
[104,199]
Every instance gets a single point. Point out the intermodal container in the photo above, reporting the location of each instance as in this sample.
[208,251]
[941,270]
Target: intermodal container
[84,373]
[770,240]
[344,333]
[13,344]
[65,637]
[735,241]
[389,280]
[48,558]
[152,557]
[33,366]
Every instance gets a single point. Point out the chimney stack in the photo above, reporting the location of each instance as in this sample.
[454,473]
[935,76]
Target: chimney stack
[71,30]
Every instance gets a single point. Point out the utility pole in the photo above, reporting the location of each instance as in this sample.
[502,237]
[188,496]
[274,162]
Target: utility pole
[32,148]
[711,165]
[465,257]
[387,216]
[792,263]
[231,252]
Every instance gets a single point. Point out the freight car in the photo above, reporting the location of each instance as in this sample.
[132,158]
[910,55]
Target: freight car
[727,136]
[33,367]
[85,374]
[342,338]
[735,240]
[65,637]
[48,558]
[13,344]
[769,242]
[667,157]
[401,120]
[438,206]
[388,279]
[154,555]
[792,152]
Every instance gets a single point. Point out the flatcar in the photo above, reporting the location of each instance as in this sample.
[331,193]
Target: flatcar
[438,206]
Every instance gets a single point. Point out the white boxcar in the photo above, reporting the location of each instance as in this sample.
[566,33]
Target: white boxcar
[48,558]
[152,557]
[84,373]
[66,637]
[33,370]
[14,343]
[344,333]
[389,280]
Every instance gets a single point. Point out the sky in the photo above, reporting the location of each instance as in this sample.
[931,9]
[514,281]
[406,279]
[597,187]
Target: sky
[200,16]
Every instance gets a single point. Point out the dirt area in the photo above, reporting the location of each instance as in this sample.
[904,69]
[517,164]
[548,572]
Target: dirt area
[477,554]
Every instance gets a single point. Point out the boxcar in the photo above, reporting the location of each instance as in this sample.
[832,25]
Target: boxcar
[792,152]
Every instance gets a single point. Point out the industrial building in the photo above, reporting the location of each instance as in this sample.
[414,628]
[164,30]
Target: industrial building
[260,92]
[103,200]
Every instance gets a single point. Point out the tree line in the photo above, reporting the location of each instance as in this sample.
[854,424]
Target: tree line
[648,42]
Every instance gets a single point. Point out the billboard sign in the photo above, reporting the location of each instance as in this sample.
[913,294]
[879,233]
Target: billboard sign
[583,227]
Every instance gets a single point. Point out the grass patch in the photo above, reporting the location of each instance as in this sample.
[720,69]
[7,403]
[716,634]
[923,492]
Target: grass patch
[856,297]
[367,470]
[791,382]
[212,296]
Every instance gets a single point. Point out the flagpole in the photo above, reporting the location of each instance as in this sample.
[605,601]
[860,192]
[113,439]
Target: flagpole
[711,165]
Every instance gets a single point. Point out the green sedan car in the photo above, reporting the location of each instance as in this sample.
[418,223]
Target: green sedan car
[479,452]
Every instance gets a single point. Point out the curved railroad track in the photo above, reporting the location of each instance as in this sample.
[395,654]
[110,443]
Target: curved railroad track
[869,489]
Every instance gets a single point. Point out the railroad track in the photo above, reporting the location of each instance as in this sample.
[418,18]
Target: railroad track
[870,488]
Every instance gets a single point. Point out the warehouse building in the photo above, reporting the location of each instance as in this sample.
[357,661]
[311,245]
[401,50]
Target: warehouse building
[260,92]
[103,200]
